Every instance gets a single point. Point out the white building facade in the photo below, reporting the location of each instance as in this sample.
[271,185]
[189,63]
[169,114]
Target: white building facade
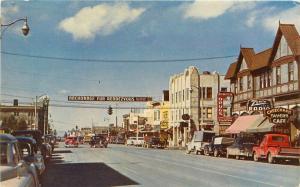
[195,94]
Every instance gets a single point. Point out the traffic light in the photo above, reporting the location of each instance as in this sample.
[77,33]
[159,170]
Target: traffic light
[109,111]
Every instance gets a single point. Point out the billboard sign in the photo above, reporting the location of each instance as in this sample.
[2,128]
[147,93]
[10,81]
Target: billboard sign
[109,98]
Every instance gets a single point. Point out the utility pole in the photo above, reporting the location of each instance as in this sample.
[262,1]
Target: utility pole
[35,117]
[116,115]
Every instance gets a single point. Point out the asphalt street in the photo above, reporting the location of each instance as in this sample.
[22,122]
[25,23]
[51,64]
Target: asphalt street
[120,165]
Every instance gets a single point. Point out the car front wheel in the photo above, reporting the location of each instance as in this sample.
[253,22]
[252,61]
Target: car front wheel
[270,158]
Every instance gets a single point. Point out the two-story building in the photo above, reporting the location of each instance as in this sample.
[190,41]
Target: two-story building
[272,74]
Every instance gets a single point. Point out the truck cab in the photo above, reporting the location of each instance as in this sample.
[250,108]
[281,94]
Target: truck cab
[199,140]
[276,147]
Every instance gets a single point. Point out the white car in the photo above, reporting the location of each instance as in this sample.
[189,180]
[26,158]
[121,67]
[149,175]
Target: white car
[15,172]
[199,141]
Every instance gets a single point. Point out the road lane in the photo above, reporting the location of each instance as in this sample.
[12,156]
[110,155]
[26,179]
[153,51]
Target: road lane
[122,165]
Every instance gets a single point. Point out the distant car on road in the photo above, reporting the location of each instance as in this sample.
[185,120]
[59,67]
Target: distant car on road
[14,171]
[71,141]
[31,153]
[98,141]
[154,142]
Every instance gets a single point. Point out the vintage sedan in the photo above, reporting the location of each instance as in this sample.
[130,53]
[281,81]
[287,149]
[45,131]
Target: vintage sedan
[71,141]
[14,171]
[30,153]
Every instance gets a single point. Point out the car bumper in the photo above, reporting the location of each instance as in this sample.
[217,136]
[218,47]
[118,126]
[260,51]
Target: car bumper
[286,157]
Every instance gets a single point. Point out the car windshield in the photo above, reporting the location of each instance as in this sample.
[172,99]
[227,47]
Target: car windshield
[4,156]
[207,136]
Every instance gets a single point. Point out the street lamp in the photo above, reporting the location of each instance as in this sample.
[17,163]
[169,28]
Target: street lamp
[25,28]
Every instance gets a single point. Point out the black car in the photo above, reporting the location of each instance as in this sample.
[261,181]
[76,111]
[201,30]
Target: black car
[218,146]
[98,141]
[242,147]
[37,135]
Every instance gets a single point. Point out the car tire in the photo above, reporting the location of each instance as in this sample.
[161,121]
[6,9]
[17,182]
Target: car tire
[206,153]
[227,155]
[237,157]
[188,151]
[255,157]
[216,153]
[270,158]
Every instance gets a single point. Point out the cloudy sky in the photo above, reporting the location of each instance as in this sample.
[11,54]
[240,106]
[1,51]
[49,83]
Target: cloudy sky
[123,30]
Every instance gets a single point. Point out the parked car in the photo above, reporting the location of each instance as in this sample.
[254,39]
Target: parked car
[37,135]
[242,147]
[31,153]
[218,146]
[275,147]
[14,171]
[71,141]
[199,140]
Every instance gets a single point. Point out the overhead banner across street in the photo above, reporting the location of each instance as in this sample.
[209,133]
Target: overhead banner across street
[109,98]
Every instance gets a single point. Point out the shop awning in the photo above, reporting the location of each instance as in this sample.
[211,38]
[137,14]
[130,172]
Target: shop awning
[244,122]
[265,126]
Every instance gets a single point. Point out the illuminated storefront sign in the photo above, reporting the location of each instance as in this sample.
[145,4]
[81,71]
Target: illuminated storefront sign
[258,105]
[223,96]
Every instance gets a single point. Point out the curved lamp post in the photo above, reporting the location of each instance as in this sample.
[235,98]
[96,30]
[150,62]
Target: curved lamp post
[25,28]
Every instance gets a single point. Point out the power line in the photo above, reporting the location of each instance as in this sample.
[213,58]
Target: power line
[115,61]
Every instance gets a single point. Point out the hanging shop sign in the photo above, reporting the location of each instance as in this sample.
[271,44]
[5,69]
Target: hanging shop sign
[279,115]
[258,105]
[223,97]
[109,98]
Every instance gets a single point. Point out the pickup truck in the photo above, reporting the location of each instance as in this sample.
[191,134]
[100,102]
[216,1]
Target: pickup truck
[275,147]
[199,141]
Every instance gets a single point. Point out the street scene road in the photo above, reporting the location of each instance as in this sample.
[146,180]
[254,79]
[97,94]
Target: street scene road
[120,165]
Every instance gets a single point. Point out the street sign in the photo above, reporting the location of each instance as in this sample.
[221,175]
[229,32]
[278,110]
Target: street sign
[109,98]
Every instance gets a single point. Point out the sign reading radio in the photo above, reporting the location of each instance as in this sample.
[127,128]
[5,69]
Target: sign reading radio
[258,105]
[279,115]
[109,98]
[227,97]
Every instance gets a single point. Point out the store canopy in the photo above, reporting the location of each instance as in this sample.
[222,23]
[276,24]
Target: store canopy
[244,122]
[265,126]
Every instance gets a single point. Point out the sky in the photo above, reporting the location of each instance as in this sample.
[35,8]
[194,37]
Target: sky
[134,31]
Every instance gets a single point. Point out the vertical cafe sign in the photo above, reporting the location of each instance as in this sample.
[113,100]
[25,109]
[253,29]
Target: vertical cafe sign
[223,97]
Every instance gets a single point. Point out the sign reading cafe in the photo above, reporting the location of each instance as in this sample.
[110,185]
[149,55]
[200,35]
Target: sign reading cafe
[109,98]
[279,115]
